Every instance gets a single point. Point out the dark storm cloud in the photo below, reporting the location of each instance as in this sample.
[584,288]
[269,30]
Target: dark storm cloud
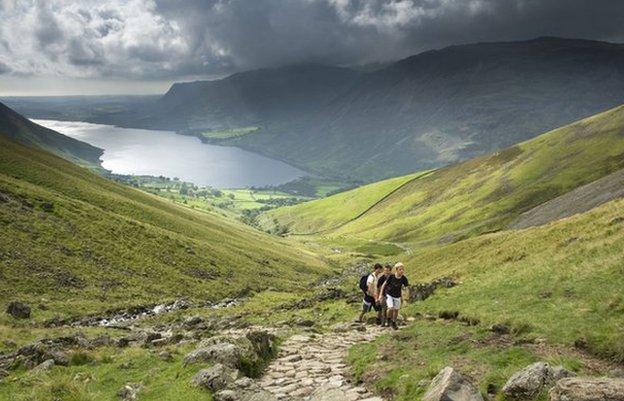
[155,39]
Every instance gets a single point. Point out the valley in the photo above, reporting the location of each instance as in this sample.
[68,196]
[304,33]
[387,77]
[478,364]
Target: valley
[207,244]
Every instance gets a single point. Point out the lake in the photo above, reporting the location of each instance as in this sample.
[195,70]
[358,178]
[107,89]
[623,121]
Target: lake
[149,152]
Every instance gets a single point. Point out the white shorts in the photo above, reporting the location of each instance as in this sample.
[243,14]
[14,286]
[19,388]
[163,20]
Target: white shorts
[392,302]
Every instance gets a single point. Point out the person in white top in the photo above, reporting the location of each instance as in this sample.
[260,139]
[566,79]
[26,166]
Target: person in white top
[368,285]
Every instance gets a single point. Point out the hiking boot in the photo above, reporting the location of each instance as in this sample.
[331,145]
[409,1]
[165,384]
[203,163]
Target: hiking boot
[379,323]
[394,326]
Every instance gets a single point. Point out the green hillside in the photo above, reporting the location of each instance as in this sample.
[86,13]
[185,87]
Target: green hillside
[333,212]
[479,195]
[557,288]
[79,243]
[25,131]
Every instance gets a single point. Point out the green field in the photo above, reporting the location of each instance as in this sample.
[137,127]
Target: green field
[229,133]
[469,198]
[334,212]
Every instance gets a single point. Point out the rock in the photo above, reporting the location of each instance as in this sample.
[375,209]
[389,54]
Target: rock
[244,382]
[165,356]
[226,395]
[18,310]
[192,322]
[215,378]
[557,373]
[152,336]
[500,329]
[328,393]
[129,391]
[59,357]
[43,366]
[527,383]
[449,385]
[588,389]
[101,341]
[224,353]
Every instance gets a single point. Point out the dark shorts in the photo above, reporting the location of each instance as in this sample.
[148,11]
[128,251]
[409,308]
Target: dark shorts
[368,303]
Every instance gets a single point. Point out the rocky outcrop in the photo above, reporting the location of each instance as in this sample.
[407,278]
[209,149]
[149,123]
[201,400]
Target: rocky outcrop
[249,352]
[224,353]
[422,291]
[529,382]
[18,310]
[588,389]
[129,391]
[450,385]
[215,378]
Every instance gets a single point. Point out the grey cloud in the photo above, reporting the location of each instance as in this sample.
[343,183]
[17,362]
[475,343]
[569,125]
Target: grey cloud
[4,69]
[171,39]
[48,30]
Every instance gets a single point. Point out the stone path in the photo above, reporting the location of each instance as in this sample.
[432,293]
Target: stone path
[313,367]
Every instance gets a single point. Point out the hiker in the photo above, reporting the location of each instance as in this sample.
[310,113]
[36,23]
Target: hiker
[382,317]
[368,285]
[391,290]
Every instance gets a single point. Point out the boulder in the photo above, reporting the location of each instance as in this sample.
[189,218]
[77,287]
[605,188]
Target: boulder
[247,353]
[529,382]
[500,329]
[588,389]
[43,366]
[18,310]
[215,378]
[224,353]
[129,391]
[450,385]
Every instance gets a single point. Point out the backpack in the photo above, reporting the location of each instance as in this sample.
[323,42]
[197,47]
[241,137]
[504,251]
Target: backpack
[364,283]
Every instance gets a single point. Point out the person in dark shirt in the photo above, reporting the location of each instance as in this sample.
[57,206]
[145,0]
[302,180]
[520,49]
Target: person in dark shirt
[392,290]
[382,317]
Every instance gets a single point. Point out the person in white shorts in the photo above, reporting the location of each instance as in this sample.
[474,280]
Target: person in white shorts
[392,291]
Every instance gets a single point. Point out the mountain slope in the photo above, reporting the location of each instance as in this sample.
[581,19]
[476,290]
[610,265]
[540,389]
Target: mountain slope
[557,288]
[479,195]
[86,244]
[23,130]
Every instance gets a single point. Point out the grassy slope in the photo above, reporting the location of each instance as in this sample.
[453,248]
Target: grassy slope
[335,211]
[481,194]
[561,282]
[80,243]
[25,131]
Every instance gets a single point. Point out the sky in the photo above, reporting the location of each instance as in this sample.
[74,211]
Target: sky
[62,47]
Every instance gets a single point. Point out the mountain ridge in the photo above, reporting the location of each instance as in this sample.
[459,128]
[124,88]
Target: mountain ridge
[15,126]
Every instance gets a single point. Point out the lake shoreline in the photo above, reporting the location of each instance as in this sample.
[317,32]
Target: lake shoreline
[133,151]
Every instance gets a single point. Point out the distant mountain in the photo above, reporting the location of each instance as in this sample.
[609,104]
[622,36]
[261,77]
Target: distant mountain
[425,111]
[271,98]
[17,127]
